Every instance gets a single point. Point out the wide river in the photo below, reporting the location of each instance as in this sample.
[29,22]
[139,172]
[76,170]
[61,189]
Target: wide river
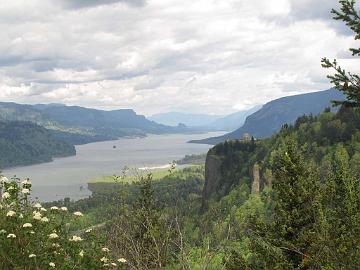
[68,177]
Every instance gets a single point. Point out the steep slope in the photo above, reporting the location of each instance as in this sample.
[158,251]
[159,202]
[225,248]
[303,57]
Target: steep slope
[78,125]
[10,111]
[232,163]
[233,121]
[113,123]
[24,143]
[273,115]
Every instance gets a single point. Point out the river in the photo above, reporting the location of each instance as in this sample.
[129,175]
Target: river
[68,177]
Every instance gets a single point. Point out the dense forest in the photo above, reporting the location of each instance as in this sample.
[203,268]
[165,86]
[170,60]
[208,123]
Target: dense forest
[305,207]
[24,143]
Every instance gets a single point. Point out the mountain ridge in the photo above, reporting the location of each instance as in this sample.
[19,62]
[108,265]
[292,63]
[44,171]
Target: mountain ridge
[285,110]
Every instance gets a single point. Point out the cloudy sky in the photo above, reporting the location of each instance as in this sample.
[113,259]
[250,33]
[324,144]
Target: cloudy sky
[209,56]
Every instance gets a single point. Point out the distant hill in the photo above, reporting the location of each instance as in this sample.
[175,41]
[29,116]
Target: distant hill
[273,115]
[25,143]
[205,122]
[78,125]
[188,119]
[232,121]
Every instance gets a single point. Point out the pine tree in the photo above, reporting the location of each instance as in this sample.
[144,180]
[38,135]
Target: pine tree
[289,235]
[296,187]
[346,82]
[340,227]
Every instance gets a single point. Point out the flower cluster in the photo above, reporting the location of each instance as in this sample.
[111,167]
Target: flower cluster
[34,237]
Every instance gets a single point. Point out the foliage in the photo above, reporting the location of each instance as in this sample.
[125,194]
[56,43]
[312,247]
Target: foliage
[32,237]
[24,143]
[346,82]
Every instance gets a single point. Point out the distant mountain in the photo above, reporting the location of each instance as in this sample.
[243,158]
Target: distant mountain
[205,122]
[45,106]
[188,119]
[78,125]
[25,143]
[232,121]
[273,115]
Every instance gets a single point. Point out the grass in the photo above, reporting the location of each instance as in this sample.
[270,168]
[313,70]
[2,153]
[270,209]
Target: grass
[157,175]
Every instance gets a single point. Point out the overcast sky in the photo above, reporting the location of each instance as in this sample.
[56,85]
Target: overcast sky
[204,56]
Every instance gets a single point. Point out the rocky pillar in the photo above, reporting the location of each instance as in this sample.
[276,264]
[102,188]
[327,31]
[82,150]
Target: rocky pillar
[255,189]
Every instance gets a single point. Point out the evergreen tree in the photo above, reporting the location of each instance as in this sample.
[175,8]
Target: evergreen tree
[339,228]
[346,82]
[286,239]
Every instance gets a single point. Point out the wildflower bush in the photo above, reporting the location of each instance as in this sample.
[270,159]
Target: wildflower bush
[33,237]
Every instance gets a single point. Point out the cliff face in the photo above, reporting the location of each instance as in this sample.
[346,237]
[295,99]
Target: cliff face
[212,177]
[228,165]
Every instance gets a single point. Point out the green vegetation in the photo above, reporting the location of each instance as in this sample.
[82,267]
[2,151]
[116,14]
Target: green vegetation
[346,82]
[303,213]
[78,125]
[24,143]
[133,177]
[192,159]
[33,237]
[273,115]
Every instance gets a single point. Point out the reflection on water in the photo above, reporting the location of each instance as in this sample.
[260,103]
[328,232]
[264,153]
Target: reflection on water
[68,177]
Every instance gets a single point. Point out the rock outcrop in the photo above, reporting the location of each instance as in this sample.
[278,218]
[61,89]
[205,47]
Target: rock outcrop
[255,188]
[212,177]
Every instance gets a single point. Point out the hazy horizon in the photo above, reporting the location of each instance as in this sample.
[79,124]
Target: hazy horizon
[157,56]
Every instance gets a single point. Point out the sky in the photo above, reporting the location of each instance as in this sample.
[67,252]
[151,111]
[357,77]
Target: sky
[200,56]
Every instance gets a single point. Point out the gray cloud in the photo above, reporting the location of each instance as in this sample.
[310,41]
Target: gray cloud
[198,56]
[319,10]
[77,4]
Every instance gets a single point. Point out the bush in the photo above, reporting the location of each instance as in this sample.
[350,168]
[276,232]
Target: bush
[32,237]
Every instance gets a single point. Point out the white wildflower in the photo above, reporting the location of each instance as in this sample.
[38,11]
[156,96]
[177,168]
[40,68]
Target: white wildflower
[54,208]
[81,253]
[78,214]
[104,259]
[32,256]
[44,219]
[37,205]
[27,225]
[43,209]
[6,195]
[105,249]
[11,235]
[25,191]
[37,215]
[56,245]
[76,239]
[26,182]
[3,180]
[2,231]
[32,232]
[10,213]
[21,216]
[113,264]
[88,230]
[121,260]
[51,264]
[63,209]
[53,236]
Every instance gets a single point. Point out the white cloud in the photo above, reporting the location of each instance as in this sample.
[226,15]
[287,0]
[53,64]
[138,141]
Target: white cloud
[203,56]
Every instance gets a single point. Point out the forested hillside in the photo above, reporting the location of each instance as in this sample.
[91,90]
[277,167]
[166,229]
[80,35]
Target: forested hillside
[24,143]
[78,125]
[274,114]
[317,136]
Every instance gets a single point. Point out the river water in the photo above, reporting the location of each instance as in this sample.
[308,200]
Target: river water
[68,177]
